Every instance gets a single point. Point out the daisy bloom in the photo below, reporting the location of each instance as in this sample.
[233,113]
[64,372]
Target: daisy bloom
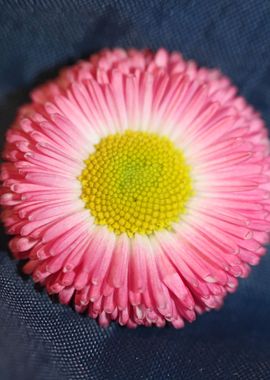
[137,185]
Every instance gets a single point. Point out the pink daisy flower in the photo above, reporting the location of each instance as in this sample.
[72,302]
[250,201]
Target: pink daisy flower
[137,184]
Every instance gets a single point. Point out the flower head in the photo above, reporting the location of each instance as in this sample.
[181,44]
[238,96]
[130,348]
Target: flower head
[138,184]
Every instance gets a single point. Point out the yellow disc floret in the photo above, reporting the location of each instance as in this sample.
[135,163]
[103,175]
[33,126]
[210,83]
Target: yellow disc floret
[136,182]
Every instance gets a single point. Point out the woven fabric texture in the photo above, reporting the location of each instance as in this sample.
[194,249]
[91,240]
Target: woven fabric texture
[39,338]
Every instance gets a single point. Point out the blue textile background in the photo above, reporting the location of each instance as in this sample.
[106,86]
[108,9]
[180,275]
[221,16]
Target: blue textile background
[40,339]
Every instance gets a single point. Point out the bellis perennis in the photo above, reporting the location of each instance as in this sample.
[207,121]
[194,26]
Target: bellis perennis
[137,184]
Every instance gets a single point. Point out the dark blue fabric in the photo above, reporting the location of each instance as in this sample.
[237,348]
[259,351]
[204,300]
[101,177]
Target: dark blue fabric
[40,339]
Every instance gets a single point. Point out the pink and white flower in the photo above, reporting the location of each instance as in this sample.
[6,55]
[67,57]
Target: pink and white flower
[128,275]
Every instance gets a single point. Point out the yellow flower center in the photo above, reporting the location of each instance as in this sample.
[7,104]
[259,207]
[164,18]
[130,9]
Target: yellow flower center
[136,182]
